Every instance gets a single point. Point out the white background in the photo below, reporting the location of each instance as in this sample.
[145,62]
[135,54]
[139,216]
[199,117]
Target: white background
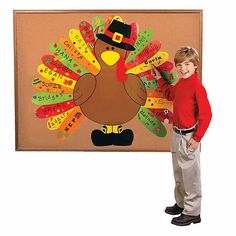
[119,194]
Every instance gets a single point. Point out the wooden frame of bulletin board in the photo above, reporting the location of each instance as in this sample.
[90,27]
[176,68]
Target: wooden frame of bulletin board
[83,82]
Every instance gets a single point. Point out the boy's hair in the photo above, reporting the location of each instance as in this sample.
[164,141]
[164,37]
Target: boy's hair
[187,53]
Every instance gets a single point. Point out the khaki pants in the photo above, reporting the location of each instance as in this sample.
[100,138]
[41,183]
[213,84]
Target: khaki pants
[186,168]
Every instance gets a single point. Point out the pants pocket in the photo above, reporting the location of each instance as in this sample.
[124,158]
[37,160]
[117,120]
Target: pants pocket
[184,149]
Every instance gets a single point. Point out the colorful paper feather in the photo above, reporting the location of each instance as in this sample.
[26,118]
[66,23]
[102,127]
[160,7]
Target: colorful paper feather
[59,52]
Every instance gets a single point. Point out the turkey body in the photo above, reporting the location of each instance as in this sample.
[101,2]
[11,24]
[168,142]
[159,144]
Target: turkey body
[110,103]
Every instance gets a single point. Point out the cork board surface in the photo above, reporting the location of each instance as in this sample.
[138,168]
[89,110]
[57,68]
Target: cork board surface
[35,30]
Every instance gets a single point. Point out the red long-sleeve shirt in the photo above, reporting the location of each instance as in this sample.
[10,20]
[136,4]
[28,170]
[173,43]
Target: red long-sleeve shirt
[190,104]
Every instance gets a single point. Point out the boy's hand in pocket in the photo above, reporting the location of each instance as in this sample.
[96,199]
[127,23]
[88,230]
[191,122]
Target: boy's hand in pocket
[192,144]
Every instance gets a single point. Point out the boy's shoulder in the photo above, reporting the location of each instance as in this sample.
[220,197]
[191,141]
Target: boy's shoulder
[196,80]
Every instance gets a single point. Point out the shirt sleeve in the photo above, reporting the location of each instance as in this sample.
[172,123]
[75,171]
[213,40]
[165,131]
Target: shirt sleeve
[167,89]
[204,112]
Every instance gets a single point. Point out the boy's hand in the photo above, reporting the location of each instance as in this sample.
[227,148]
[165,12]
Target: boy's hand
[156,73]
[192,144]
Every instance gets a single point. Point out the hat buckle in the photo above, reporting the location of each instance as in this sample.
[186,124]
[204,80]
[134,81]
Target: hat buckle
[117,37]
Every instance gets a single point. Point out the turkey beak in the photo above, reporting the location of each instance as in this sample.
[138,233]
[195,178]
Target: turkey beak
[110,57]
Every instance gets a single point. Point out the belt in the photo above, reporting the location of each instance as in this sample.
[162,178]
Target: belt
[184,131]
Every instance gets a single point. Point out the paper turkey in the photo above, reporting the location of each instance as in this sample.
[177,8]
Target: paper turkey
[102,72]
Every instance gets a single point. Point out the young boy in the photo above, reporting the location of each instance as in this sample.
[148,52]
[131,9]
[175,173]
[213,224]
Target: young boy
[191,118]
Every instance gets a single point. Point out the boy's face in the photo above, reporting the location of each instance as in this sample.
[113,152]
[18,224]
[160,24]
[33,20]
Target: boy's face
[185,69]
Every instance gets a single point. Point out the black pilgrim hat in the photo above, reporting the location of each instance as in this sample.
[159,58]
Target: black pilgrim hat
[118,35]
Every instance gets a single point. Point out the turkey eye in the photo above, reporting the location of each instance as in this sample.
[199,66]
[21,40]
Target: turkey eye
[107,48]
[112,48]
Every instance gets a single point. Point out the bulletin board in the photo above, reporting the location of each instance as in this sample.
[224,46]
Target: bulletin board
[83,80]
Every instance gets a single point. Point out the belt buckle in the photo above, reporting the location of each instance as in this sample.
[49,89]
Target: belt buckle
[178,131]
[181,132]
